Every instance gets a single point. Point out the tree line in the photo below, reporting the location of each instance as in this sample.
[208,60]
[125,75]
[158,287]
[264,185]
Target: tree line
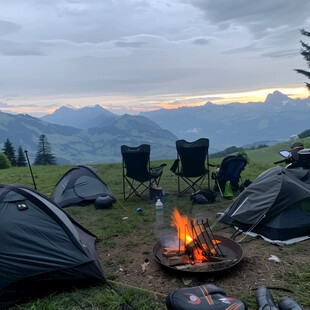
[44,155]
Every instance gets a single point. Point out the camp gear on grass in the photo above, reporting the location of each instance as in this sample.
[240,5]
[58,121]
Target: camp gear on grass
[42,248]
[157,192]
[287,303]
[203,196]
[103,202]
[265,301]
[229,170]
[203,297]
[228,191]
[276,206]
[79,186]
[138,176]
[192,164]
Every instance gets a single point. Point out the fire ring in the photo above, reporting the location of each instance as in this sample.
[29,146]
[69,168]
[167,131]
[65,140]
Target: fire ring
[231,249]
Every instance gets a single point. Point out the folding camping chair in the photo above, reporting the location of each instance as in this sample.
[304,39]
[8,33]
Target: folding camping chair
[137,173]
[190,165]
[229,170]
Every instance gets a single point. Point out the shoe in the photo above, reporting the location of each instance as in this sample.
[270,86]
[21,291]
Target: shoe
[264,299]
[287,303]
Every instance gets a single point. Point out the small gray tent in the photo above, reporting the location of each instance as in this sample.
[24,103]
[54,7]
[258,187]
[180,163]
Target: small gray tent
[42,249]
[276,205]
[79,186]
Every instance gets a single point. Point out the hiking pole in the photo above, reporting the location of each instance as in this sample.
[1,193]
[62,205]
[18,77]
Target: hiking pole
[34,183]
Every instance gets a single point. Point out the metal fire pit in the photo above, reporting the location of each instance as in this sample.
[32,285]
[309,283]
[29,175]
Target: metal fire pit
[231,249]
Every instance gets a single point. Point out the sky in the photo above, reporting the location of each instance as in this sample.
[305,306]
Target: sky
[137,55]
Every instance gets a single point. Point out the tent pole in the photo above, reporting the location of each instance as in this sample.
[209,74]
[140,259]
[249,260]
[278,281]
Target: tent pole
[251,228]
[34,183]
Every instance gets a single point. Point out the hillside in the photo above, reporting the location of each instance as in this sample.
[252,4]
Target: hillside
[97,145]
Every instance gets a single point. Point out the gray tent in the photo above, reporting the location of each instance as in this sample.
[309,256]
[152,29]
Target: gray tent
[276,205]
[42,249]
[79,186]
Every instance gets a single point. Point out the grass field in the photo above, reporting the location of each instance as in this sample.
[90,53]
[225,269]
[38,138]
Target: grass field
[124,229]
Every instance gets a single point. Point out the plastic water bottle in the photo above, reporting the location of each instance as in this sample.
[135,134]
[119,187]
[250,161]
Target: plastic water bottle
[159,225]
[159,205]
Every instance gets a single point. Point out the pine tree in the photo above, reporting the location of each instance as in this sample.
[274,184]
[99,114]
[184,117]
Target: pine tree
[9,151]
[305,52]
[21,159]
[44,154]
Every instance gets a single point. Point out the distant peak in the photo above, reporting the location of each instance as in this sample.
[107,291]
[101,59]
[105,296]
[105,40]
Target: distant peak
[63,108]
[92,107]
[276,97]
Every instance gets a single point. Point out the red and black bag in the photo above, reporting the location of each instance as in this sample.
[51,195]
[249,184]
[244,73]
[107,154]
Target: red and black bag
[203,297]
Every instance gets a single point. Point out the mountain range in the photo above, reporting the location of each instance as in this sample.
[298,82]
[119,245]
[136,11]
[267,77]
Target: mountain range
[94,135]
[277,118]
[87,146]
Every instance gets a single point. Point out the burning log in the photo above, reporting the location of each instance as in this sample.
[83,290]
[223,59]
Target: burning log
[173,257]
[185,255]
[206,266]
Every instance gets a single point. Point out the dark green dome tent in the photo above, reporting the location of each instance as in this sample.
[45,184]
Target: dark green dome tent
[42,249]
[276,206]
[79,186]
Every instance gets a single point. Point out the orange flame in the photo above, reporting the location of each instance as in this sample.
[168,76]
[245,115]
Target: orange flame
[187,235]
[182,223]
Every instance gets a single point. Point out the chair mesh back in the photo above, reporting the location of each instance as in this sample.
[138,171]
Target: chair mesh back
[193,156]
[231,168]
[136,161]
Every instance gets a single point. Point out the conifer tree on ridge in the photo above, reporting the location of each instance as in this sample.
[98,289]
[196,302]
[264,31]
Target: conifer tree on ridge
[9,151]
[21,159]
[305,52]
[44,154]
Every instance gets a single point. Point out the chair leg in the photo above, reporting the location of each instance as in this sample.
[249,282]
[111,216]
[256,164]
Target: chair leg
[219,187]
[195,185]
[134,189]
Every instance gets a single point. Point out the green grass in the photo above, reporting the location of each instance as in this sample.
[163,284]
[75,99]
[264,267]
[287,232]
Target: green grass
[123,220]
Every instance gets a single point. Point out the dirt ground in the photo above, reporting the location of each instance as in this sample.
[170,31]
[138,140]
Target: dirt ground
[133,262]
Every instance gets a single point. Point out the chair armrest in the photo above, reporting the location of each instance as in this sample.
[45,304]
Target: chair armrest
[211,165]
[155,172]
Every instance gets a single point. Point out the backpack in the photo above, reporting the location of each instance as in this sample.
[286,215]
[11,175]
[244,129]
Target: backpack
[203,196]
[244,185]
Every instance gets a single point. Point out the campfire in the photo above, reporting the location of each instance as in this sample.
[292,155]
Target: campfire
[195,248]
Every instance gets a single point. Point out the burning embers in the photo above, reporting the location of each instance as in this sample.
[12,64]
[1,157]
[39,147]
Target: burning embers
[195,248]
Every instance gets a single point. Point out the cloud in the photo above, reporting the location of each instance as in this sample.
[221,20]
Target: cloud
[148,49]
[200,41]
[130,44]
[193,130]
[259,18]
[281,54]
[74,8]
[243,49]
[5,105]
[7,27]
[9,111]
[8,48]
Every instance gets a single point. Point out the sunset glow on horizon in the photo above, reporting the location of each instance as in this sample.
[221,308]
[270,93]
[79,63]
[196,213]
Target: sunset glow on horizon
[134,105]
[241,97]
